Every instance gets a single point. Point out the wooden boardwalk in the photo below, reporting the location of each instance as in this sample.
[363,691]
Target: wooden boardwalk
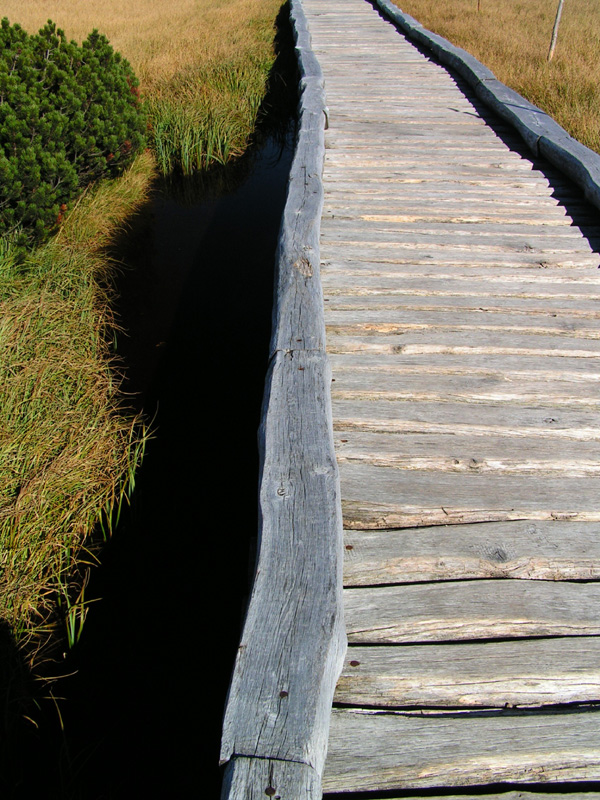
[462,304]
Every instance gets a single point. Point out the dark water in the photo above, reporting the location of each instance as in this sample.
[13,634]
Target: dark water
[174,581]
[142,715]
[157,657]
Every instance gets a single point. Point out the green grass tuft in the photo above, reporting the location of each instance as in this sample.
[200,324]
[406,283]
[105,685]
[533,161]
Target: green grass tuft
[206,115]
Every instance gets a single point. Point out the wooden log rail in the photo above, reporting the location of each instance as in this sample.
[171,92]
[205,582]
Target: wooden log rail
[293,643]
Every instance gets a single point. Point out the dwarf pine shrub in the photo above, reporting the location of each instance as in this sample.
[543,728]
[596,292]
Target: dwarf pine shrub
[69,115]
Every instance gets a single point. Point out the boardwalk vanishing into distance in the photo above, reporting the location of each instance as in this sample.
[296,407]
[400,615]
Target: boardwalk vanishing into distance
[461,299]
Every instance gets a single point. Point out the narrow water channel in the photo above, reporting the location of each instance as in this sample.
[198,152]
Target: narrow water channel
[142,715]
[174,580]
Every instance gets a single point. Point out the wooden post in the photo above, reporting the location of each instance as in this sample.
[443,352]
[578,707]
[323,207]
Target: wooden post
[555,29]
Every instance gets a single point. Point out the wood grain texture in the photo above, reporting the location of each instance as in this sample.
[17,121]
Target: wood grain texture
[277,716]
[293,638]
[297,314]
[533,672]
[497,368]
[384,751]
[405,498]
[471,610]
[447,389]
[526,550]
[257,778]
[546,419]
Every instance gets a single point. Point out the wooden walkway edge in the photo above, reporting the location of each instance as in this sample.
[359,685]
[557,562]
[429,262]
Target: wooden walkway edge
[293,643]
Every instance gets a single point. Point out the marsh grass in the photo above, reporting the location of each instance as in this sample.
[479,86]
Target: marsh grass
[68,449]
[204,116]
[512,38]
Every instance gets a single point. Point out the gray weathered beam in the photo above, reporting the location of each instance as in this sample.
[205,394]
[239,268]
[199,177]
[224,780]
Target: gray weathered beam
[471,610]
[523,672]
[548,550]
[276,722]
[378,751]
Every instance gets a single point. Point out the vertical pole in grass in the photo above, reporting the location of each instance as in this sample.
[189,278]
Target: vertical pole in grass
[555,29]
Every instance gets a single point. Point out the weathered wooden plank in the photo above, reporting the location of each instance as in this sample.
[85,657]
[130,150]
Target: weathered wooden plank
[543,550]
[516,368]
[459,342]
[460,287]
[428,184]
[471,610]
[383,751]
[470,214]
[372,516]
[550,222]
[391,261]
[373,321]
[382,384]
[464,463]
[383,479]
[437,185]
[444,393]
[468,456]
[587,308]
[476,205]
[473,241]
[352,164]
[366,514]
[482,419]
[559,247]
[480,459]
[456,387]
[380,416]
[533,672]
[382,284]
[412,196]
[467,176]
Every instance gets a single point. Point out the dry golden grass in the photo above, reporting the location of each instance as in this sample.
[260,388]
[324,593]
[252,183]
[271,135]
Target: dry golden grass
[160,38]
[513,38]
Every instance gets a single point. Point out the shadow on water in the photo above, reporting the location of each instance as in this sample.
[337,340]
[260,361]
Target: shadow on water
[143,714]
